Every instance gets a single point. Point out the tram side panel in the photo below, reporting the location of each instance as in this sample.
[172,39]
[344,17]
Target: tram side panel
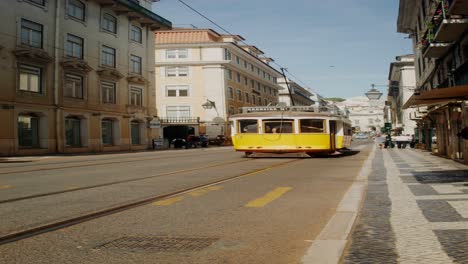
[256,138]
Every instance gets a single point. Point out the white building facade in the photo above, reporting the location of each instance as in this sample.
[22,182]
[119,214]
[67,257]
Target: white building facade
[402,83]
[203,77]
[366,114]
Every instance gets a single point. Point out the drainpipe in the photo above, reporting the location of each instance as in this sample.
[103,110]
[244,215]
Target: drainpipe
[58,130]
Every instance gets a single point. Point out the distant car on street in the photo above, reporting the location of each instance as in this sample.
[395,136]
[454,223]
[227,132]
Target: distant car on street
[361,136]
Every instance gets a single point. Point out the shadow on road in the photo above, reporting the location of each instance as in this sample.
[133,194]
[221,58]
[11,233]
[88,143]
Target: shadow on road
[341,154]
[443,176]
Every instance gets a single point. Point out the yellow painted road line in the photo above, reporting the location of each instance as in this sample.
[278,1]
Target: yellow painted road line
[4,187]
[169,201]
[269,197]
[205,190]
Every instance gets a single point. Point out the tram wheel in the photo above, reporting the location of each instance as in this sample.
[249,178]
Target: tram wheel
[247,154]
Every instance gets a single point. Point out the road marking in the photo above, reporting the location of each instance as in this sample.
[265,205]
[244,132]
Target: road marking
[205,190]
[169,201]
[173,200]
[4,187]
[269,197]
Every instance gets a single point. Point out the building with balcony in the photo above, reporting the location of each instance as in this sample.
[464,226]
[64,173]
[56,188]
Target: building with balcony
[206,76]
[439,32]
[402,83]
[77,76]
[299,94]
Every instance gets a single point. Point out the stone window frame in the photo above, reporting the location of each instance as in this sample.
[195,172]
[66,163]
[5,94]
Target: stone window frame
[131,69]
[177,53]
[83,47]
[177,71]
[42,90]
[131,26]
[83,83]
[239,95]
[115,86]
[142,95]
[85,11]
[142,132]
[43,116]
[101,57]
[230,93]
[101,24]
[31,2]
[177,88]
[75,118]
[20,30]
[36,126]
[178,109]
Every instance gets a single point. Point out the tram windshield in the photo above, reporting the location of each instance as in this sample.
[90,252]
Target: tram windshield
[312,125]
[248,126]
[278,126]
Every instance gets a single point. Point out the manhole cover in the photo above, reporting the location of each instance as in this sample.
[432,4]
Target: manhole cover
[159,244]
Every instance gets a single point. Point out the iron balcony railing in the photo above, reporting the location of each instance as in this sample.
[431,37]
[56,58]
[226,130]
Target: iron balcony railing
[179,120]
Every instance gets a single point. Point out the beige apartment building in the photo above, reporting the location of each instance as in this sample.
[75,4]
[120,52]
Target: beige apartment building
[77,75]
[439,30]
[203,77]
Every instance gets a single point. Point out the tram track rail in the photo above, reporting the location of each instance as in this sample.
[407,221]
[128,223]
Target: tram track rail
[88,165]
[53,226]
[118,182]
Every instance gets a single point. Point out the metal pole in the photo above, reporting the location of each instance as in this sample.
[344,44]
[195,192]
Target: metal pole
[289,89]
[443,9]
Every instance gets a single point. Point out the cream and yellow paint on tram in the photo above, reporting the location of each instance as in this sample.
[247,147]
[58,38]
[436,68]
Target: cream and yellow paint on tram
[4,187]
[196,193]
[269,197]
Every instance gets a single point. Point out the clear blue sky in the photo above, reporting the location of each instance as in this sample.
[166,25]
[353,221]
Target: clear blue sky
[357,37]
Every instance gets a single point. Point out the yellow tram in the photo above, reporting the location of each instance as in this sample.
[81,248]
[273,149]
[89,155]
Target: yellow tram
[296,129]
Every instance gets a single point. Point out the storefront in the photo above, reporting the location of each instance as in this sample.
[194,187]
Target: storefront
[447,114]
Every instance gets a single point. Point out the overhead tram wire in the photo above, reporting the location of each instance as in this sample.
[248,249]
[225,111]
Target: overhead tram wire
[241,41]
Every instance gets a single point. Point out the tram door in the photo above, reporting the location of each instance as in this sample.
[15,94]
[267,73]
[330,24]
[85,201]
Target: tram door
[332,135]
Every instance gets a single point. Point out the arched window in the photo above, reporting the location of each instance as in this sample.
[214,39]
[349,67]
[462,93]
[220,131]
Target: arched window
[28,131]
[109,23]
[135,33]
[76,9]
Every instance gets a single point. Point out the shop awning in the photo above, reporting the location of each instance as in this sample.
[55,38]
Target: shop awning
[438,96]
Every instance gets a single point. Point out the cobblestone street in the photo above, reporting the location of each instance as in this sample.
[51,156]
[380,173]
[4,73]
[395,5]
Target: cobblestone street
[415,211]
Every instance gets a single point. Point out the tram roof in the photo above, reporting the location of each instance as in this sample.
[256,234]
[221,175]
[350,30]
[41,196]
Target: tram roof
[286,114]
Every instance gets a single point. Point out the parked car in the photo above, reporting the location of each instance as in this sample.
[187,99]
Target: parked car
[193,141]
[218,140]
[178,143]
[204,141]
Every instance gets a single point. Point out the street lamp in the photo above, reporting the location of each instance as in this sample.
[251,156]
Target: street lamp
[373,94]
[210,105]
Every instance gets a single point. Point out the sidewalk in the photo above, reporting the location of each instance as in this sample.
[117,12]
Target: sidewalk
[415,211]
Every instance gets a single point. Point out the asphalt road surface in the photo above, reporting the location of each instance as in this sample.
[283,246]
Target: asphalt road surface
[189,206]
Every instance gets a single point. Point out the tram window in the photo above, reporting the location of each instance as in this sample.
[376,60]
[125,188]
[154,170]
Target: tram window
[312,125]
[278,126]
[248,126]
